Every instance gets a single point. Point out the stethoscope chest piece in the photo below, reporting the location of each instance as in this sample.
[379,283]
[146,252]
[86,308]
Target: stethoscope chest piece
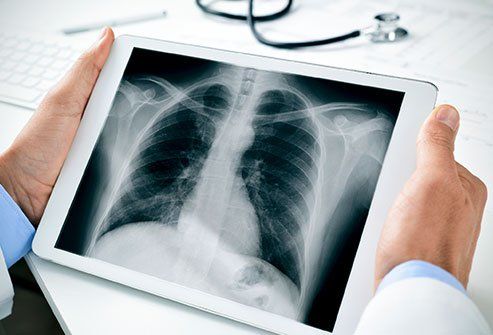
[386,29]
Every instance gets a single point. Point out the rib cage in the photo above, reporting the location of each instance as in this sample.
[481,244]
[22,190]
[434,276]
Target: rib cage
[279,167]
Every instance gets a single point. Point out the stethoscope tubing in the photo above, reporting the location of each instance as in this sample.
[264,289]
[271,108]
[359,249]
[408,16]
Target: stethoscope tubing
[252,20]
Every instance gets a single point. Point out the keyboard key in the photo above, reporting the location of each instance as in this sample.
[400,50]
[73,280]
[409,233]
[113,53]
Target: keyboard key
[24,45]
[31,58]
[31,81]
[59,64]
[18,93]
[8,65]
[50,51]
[18,56]
[75,55]
[4,53]
[36,48]
[21,68]
[65,53]
[4,75]
[10,42]
[45,85]
[45,61]
[17,78]
[50,74]
[36,71]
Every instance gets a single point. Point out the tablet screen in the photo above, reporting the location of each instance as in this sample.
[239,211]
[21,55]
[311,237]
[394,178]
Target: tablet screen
[250,185]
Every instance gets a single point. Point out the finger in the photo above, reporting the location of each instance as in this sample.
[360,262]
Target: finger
[435,145]
[477,192]
[69,97]
[473,185]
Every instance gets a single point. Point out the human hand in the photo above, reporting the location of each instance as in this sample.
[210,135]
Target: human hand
[30,167]
[437,216]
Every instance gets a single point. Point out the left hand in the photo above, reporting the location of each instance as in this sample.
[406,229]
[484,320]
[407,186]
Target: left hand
[30,167]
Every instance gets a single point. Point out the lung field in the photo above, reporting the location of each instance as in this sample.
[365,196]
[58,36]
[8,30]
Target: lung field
[278,170]
[170,157]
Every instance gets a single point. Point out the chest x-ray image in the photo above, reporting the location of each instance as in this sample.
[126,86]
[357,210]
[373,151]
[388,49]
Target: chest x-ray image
[250,185]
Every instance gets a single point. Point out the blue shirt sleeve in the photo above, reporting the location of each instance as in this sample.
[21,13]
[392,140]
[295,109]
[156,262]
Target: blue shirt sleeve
[16,232]
[416,268]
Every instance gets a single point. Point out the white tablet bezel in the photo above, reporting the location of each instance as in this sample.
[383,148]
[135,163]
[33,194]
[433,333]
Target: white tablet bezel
[399,163]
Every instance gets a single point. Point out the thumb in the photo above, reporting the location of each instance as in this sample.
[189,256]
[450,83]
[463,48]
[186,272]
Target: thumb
[47,137]
[435,145]
[69,97]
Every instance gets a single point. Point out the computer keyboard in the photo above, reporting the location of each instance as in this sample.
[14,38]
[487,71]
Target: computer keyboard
[31,64]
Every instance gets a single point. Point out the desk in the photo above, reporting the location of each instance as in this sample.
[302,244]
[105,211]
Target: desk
[85,304]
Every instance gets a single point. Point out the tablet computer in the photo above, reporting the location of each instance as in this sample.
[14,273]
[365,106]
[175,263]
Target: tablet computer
[250,187]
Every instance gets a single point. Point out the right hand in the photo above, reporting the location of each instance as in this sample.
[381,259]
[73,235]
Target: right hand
[29,168]
[437,216]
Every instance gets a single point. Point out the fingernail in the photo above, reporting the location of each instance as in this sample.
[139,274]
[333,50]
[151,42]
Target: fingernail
[102,33]
[449,116]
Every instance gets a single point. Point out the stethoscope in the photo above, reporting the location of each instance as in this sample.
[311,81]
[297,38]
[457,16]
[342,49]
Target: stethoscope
[385,29]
